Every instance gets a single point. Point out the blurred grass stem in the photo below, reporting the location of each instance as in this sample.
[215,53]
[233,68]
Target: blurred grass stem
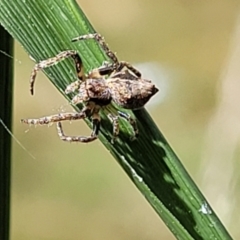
[6,95]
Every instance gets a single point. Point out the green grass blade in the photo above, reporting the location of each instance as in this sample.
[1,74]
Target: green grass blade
[45,28]
[6,97]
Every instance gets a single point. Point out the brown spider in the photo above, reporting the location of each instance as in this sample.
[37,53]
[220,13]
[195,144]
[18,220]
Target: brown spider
[124,86]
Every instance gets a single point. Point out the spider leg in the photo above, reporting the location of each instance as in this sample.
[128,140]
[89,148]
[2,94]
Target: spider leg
[130,67]
[84,139]
[101,41]
[96,120]
[117,66]
[107,69]
[132,121]
[101,71]
[114,120]
[58,117]
[54,118]
[54,60]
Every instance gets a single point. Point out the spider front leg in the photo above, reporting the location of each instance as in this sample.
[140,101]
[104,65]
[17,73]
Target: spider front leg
[84,139]
[133,123]
[54,60]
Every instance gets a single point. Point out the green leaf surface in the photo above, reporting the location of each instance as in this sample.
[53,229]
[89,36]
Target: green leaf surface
[44,28]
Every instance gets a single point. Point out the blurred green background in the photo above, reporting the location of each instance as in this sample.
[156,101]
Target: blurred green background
[77,191]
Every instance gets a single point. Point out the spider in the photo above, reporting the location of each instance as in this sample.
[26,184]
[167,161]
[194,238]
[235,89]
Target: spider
[117,81]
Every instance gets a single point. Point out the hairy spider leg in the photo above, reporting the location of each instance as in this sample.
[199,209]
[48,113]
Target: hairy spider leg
[54,60]
[98,73]
[116,66]
[132,122]
[80,74]
[87,111]
[130,67]
[102,43]
[54,118]
[115,123]
[84,139]
[109,69]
